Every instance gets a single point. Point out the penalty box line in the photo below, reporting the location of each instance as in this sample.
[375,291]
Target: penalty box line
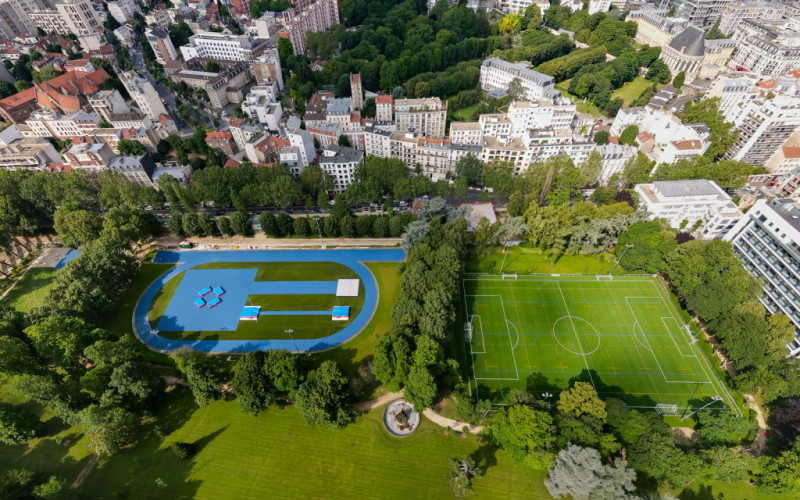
[508,332]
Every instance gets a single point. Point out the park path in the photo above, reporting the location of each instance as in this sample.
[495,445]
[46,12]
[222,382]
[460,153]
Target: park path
[85,471]
[261,242]
[760,442]
[449,422]
[365,406]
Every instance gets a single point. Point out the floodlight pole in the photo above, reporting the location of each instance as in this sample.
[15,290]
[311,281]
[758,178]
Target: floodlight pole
[320,233]
[714,399]
[505,254]
[223,234]
[627,247]
[289,331]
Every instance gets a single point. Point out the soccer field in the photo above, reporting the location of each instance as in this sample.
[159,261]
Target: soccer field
[623,336]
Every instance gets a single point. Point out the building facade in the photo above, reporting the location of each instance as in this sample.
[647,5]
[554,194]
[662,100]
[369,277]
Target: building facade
[497,74]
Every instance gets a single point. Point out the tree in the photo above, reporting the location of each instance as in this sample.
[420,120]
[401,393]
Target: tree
[224,225]
[462,470]
[781,474]
[484,233]
[344,141]
[322,399]
[511,229]
[17,426]
[284,371]
[515,89]
[646,247]
[240,222]
[183,450]
[578,473]
[471,412]
[525,434]
[723,134]
[136,379]
[679,79]
[76,227]
[420,388]
[63,339]
[628,135]
[202,373]
[108,428]
[534,15]
[722,428]
[55,488]
[582,399]
[285,224]
[251,384]
[269,224]
[601,137]
[415,232]
[16,357]
[510,23]
[392,361]
[128,147]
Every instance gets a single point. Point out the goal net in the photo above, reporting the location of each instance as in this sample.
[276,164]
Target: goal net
[510,276]
[468,331]
[608,277]
[667,410]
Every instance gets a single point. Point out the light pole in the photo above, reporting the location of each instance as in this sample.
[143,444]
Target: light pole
[505,254]
[546,396]
[714,399]
[627,247]
[320,233]
[223,234]
[289,331]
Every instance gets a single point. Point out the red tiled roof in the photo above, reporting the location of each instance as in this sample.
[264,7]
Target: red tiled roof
[231,163]
[383,99]
[219,136]
[684,145]
[15,100]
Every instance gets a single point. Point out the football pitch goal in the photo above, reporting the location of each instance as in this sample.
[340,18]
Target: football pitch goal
[624,336]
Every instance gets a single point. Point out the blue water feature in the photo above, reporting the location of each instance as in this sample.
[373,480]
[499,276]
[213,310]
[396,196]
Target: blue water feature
[181,314]
[72,254]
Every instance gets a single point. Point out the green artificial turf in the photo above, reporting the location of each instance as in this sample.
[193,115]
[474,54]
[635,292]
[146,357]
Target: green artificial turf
[288,271]
[623,336]
[32,289]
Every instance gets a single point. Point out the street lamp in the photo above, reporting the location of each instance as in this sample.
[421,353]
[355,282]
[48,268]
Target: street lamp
[320,233]
[223,234]
[289,331]
[627,247]
[546,396]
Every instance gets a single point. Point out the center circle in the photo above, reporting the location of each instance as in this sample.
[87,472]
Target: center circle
[582,335]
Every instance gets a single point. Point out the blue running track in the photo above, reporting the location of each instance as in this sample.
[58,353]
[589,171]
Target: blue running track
[181,314]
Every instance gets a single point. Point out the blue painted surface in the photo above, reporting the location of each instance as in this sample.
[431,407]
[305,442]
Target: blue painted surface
[295,313]
[189,259]
[72,254]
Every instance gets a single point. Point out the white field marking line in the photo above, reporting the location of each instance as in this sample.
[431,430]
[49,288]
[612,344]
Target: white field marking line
[570,317]
[515,329]
[509,337]
[577,340]
[671,336]
[709,373]
[474,374]
[483,339]
[655,358]
[633,332]
[471,357]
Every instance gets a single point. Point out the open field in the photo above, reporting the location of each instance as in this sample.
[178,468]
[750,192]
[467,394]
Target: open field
[526,260]
[623,336]
[630,92]
[32,289]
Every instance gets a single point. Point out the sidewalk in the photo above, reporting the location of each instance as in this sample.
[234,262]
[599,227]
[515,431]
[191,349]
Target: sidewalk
[453,424]
[261,242]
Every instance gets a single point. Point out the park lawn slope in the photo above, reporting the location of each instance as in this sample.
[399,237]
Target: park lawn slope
[523,259]
[32,290]
[632,91]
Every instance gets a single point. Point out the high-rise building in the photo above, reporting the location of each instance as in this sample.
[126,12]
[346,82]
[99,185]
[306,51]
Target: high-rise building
[702,13]
[767,241]
[734,13]
[769,48]
[69,16]
[318,16]
[357,92]
[497,74]
[15,17]
[764,126]
[209,45]
[426,116]
[161,44]
[122,10]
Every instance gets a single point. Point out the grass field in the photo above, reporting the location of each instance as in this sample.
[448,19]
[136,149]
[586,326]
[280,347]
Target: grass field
[526,260]
[623,336]
[273,327]
[630,92]
[32,289]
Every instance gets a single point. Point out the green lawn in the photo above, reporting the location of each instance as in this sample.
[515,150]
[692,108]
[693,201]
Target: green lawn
[32,289]
[622,336]
[523,259]
[630,92]
[582,107]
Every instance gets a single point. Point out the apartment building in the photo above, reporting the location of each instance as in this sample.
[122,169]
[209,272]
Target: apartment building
[159,18]
[340,163]
[15,17]
[122,10]
[766,241]
[222,88]
[733,91]
[497,74]
[317,16]
[427,116]
[785,160]
[143,94]
[435,158]
[69,16]
[219,46]
[654,27]
[770,48]
[356,92]
[547,142]
[161,44]
[88,156]
[466,133]
[46,123]
[261,104]
[137,169]
[684,203]
[267,68]
[614,158]
[384,108]
[596,6]
[20,153]
[764,127]
[108,103]
[703,13]
[736,12]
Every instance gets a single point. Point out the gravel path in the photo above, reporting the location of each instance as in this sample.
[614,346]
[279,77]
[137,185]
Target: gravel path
[760,442]
[453,424]
[366,406]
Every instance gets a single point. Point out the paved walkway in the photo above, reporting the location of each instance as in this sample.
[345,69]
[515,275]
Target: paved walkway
[366,406]
[760,442]
[453,424]
[261,242]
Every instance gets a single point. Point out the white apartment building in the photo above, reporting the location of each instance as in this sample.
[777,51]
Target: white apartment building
[108,103]
[210,45]
[161,44]
[669,139]
[766,241]
[733,92]
[137,169]
[46,123]
[159,18]
[377,142]
[436,158]
[703,13]
[88,156]
[143,94]
[341,163]
[736,12]
[78,17]
[497,74]
[654,27]
[261,104]
[302,141]
[764,127]
[15,17]
[426,116]
[547,142]
[785,160]
[122,10]
[690,201]
[614,158]
[384,108]
[267,68]
[20,153]
[514,6]
[769,48]
[596,6]
[466,133]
